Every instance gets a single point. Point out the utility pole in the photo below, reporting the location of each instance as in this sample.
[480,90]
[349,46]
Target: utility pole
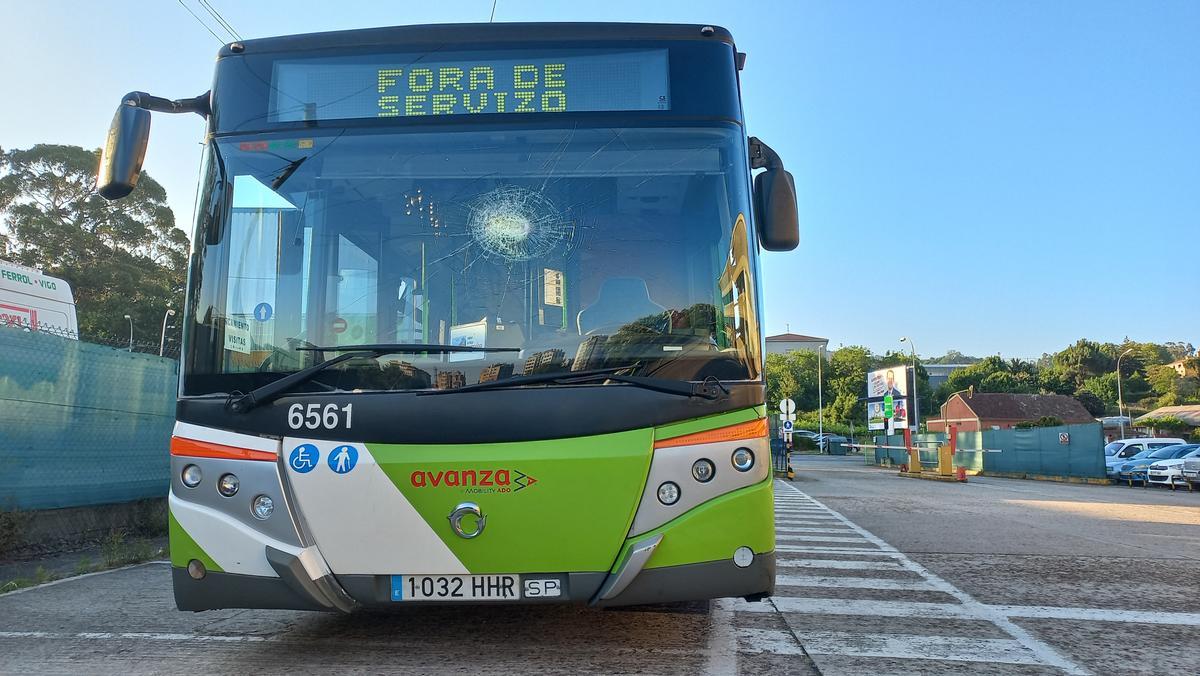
[916,399]
[1120,399]
[820,402]
[162,340]
[130,332]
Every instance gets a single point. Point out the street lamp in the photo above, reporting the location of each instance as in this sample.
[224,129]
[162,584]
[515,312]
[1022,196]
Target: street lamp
[162,340]
[1120,399]
[916,399]
[820,401]
[130,332]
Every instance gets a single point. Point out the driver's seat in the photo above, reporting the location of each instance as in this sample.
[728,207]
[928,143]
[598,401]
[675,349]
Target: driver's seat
[621,300]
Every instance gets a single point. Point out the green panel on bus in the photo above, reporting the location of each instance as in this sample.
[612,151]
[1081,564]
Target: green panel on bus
[557,505]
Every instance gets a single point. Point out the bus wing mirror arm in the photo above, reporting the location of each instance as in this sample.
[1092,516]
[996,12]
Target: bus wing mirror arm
[129,135]
[774,200]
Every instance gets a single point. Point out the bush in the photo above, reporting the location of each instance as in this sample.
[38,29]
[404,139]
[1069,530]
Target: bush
[1044,421]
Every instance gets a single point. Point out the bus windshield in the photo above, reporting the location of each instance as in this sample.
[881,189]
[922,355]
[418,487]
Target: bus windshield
[583,248]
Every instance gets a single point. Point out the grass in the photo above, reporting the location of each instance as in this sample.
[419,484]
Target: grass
[12,529]
[115,551]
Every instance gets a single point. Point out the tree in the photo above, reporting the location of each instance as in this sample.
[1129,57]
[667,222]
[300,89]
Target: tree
[847,383]
[1092,403]
[122,257]
[953,357]
[1179,350]
[792,375]
[1085,359]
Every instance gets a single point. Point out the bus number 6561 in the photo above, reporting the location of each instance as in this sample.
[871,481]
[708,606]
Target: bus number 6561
[313,416]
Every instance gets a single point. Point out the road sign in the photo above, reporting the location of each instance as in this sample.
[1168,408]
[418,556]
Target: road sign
[263,311]
[889,406]
[787,425]
[787,416]
[1064,438]
[787,406]
[339,325]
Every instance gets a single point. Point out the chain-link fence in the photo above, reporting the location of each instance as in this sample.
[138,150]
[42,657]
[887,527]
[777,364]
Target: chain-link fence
[82,422]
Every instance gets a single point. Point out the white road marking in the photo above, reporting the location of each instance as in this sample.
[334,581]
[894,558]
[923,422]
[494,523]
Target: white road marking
[915,609]
[969,608]
[811,530]
[722,642]
[836,550]
[805,519]
[1099,615]
[821,538]
[851,582]
[775,641]
[148,636]
[838,565]
[900,646]
[73,578]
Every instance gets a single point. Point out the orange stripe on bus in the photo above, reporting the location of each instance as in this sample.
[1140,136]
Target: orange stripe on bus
[207,449]
[754,429]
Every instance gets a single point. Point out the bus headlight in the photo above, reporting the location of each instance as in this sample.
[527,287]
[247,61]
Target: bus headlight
[191,476]
[263,507]
[703,470]
[228,485]
[743,459]
[668,493]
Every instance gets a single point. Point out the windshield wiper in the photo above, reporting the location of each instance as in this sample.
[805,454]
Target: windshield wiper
[710,389]
[268,392]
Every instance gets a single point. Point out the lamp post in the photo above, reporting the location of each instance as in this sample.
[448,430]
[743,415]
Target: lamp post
[162,340]
[916,399]
[820,403]
[1120,399]
[130,332]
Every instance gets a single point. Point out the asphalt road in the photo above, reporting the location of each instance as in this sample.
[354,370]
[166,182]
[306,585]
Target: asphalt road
[878,574]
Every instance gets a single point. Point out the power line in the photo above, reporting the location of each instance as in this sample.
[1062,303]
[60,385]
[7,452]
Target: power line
[220,19]
[199,21]
[493,16]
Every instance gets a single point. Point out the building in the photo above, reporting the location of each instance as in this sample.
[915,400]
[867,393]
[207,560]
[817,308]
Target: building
[590,354]
[546,360]
[495,372]
[1185,367]
[1189,414]
[449,380]
[790,342]
[940,373]
[971,411]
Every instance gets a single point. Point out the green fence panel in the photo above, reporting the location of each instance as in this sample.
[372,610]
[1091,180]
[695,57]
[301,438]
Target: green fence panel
[81,424]
[1042,450]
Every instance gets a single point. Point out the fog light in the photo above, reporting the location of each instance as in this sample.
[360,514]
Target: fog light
[196,569]
[262,507]
[703,470]
[668,493]
[228,485]
[743,459]
[743,556]
[191,476]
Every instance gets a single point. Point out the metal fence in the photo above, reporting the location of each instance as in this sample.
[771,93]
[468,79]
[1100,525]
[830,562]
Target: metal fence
[1066,450]
[82,423]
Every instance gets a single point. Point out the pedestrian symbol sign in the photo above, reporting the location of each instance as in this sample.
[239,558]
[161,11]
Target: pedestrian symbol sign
[304,458]
[787,425]
[263,311]
[343,459]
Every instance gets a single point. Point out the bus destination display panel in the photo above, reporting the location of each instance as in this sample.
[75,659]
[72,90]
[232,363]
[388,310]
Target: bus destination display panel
[467,83]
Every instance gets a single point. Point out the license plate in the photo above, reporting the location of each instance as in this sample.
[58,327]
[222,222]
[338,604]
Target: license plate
[456,587]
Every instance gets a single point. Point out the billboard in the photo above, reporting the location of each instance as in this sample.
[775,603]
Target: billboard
[887,398]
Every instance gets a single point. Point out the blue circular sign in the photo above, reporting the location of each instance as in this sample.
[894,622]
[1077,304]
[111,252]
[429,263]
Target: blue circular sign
[343,458]
[304,458]
[263,311]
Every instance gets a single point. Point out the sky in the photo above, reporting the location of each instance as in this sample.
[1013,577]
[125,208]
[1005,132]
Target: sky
[994,178]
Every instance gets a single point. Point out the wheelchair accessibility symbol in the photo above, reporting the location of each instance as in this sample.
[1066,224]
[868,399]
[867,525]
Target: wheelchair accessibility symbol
[304,458]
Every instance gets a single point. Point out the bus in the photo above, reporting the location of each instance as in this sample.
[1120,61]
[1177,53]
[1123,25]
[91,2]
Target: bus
[473,316]
[37,302]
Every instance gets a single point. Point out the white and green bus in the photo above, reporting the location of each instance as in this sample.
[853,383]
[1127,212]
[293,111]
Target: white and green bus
[473,315]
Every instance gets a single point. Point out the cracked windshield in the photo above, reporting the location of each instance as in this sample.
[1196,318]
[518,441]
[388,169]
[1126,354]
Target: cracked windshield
[575,249]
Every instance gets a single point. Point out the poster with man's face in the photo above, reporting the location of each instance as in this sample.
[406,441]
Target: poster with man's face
[891,380]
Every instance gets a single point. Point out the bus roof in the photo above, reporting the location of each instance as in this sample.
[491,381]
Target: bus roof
[31,282]
[466,33]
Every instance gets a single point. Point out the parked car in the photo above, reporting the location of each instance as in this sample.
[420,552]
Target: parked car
[825,440]
[808,434]
[1191,471]
[1168,472]
[1135,469]
[1119,452]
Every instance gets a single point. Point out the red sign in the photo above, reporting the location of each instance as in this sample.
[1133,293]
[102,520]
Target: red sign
[339,325]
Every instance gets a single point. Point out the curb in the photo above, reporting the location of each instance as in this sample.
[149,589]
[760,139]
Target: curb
[1050,477]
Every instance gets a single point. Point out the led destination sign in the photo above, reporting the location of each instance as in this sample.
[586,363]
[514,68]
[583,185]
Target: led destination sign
[470,84]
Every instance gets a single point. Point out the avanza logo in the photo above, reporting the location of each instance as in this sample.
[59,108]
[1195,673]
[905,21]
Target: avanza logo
[473,480]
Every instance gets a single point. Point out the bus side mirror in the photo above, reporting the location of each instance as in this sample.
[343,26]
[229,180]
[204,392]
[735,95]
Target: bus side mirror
[124,151]
[775,204]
